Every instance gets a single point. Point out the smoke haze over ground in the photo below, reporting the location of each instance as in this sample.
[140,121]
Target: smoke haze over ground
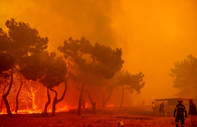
[152,34]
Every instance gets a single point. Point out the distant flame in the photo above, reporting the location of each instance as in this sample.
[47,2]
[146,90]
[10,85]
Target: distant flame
[110,106]
[87,105]
[28,111]
[63,109]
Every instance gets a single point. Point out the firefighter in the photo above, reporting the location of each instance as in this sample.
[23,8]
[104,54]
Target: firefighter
[192,112]
[180,113]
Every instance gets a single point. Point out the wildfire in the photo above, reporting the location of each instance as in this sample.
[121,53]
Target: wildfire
[29,99]
[63,109]
[28,111]
[32,111]
[3,112]
[110,106]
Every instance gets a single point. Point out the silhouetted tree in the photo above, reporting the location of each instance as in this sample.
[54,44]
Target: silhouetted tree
[56,71]
[184,74]
[49,70]
[91,62]
[18,92]
[129,82]
[21,41]
[33,68]
[6,63]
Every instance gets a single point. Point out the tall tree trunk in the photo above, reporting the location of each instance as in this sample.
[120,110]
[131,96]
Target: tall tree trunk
[80,99]
[47,103]
[92,102]
[7,93]
[122,98]
[108,97]
[1,108]
[56,100]
[21,83]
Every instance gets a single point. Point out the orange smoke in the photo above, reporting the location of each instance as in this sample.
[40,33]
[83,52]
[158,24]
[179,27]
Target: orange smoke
[152,34]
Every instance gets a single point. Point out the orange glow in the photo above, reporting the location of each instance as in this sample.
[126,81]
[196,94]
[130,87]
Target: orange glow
[110,106]
[152,34]
[32,111]
[63,109]
[28,111]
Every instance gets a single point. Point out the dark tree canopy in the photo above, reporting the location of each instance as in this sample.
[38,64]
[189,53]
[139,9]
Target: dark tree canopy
[21,41]
[130,81]
[44,67]
[5,42]
[55,71]
[184,74]
[25,40]
[95,59]
[6,60]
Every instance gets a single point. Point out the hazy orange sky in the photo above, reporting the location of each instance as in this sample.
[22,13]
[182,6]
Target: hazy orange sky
[153,34]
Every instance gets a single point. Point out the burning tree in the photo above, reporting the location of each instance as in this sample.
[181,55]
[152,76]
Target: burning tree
[21,41]
[48,70]
[184,74]
[55,74]
[91,63]
[6,63]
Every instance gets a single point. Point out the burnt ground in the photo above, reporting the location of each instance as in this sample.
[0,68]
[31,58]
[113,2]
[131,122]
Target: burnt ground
[102,118]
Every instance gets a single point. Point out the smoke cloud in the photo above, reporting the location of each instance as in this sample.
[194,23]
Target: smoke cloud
[152,34]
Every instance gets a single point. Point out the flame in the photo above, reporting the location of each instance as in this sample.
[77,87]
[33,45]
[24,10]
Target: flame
[3,112]
[26,111]
[63,109]
[86,105]
[32,111]
[29,102]
[33,99]
[110,106]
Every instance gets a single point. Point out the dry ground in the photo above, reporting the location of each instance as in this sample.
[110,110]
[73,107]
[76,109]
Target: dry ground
[101,119]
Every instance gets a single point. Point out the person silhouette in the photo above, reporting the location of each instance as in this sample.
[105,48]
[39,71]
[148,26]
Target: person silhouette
[179,113]
[192,112]
[161,109]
